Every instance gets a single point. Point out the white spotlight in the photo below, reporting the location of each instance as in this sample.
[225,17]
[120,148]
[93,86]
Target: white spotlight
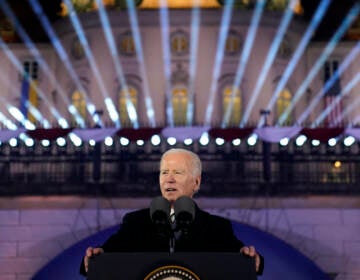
[332,142]
[236,142]
[155,140]
[349,140]
[61,142]
[29,142]
[284,141]
[188,141]
[204,139]
[45,143]
[75,139]
[140,142]
[124,141]
[171,141]
[219,141]
[300,140]
[109,141]
[252,140]
[92,142]
[13,142]
[315,142]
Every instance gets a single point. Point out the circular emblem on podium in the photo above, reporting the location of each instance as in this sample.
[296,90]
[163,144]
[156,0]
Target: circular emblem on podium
[171,272]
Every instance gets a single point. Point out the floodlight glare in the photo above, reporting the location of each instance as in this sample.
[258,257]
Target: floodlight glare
[219,141]
[75,139]
[109,141]
[61,142]
[315,142]
[140,142]
[204,139]
[45,143]
[349,140]
[284,141]
[332,142]
[300,140]
[124,141]
[188,141]
[171,141]
[29,142]
[155,140]
[92,142]
[252,140]
[236,142]
[13,142]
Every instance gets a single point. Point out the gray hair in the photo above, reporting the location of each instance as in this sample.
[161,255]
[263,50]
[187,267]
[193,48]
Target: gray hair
[195,160]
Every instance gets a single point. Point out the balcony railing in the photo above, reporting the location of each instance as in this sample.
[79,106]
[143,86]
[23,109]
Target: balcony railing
[133,170]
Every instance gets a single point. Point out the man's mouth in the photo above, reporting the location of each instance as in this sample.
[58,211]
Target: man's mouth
[170,189]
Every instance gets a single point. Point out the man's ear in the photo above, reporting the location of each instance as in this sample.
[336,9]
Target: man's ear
[197,184]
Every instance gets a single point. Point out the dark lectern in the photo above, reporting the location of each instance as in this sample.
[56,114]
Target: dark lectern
[152,266]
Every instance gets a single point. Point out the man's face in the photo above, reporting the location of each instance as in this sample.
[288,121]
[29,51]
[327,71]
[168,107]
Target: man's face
[176,177]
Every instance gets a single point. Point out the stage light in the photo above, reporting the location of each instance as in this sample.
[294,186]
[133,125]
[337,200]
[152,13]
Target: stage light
[248,44]
[155,140]
[332,142]
[349,140]
[140,56]
[269,60]
[75,139]
[124,141]
[13,142]
[284,142]
[300,140]
[171,141]
[236,142]
[109,141]
[140,142]
[315,142]
[92,142]
[61,142]
[219,141]
[45,143]
[195,28]
[29,142]
[318,64]
[224,27]
[251,141]
[204,139]
[188,141]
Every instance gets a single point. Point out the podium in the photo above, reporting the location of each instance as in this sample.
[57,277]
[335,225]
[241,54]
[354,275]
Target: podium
[189,266]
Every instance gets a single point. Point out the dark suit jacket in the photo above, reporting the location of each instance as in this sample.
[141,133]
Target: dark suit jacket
[208,233]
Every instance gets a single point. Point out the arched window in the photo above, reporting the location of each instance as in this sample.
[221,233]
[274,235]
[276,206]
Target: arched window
[79,102]
[233,101]
[179,104]
[179,43]
[282,103]
[125,108]
[127,44]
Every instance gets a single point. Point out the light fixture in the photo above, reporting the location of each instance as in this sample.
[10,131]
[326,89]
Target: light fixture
[236,142]
[188,141]
[109,141]
[284,141]
[124,141]
[61,142]
[349,140]
[171,141]
[300,140]
[155,140]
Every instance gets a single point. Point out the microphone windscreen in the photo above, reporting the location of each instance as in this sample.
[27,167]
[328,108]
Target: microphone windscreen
[159,210]
[184,208]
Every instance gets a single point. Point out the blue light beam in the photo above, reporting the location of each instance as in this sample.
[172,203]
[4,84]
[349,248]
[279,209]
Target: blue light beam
[140,56]
[224,28]
[319,14]
[250,37]
[269,59]
[319,63]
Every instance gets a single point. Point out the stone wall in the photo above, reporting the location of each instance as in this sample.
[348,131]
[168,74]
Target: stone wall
[33,230]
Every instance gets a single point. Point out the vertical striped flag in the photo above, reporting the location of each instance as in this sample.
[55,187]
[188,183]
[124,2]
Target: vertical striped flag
[330,72]
[29,89]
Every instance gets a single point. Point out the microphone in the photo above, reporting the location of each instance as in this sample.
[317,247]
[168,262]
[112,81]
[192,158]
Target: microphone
[159,211]
[184,208]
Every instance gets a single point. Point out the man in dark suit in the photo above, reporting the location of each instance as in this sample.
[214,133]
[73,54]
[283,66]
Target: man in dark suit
[180,175]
